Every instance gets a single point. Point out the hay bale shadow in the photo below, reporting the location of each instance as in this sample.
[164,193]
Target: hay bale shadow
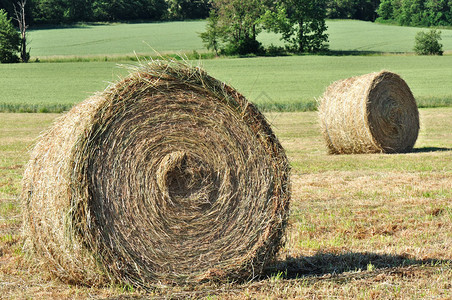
[430,149]
[324,263]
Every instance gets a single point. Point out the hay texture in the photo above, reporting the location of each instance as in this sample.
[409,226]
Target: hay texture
[167,176]
[373,113]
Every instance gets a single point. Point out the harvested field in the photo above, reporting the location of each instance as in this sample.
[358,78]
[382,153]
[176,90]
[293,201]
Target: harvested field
[370,226]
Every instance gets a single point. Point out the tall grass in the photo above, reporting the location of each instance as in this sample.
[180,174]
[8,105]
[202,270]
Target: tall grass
[34,108]
[121,58]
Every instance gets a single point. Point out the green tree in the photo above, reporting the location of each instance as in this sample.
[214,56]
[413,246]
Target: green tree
[71,11]
[427,43]
[301,23]
[366,10]
[49,11]
[417,12]
[352,9]
[188,9]
[78,10]
[9,39]
[412,13]
[386,10]
[341,9]
[439,12]
[213,34]
[117,10]
[238,23]
[152,9]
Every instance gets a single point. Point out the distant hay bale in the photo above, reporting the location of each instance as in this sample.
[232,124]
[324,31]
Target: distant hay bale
[373,113]
[168,176]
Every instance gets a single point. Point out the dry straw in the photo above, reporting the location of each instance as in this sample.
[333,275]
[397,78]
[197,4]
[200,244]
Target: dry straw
[373,113]
[168,176]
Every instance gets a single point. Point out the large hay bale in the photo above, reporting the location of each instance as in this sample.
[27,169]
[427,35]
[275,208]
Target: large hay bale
[373,113]
[167,176]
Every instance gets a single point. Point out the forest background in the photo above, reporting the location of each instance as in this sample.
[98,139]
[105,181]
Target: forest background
[57,12]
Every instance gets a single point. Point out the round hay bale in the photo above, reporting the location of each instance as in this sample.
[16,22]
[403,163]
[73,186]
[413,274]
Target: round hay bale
[167,176]
[373,113]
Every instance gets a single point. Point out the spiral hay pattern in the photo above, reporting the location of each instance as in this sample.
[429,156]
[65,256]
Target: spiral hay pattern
[168,176]
[373,113]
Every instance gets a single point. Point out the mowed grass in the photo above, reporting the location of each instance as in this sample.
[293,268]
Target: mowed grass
[274,83]
[110,40]
[361,226]
[305,147]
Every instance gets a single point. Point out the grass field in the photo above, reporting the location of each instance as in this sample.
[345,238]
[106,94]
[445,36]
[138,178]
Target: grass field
[295,82]
[289,83]
[114,39]
[273,83]
[143,38]
[352,35]
[45,86]
[361,226]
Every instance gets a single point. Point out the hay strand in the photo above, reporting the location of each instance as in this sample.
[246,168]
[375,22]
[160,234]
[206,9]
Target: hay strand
[167,176]
[373,113]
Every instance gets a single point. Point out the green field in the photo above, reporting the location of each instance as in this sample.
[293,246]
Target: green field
[352,35]
[144,38]
[117,39]
[43,86]
[297,81]
[90,54]
[273,83]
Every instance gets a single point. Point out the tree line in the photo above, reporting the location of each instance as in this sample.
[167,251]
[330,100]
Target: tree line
[403,12]
[417,12]
[56,12]
[71,11]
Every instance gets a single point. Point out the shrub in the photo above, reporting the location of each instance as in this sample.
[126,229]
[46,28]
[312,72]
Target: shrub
[273,50]
[427,43]
[9,39]
[244,46]
[249,45]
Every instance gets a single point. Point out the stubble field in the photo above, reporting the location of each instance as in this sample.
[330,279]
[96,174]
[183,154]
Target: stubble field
[361,226]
